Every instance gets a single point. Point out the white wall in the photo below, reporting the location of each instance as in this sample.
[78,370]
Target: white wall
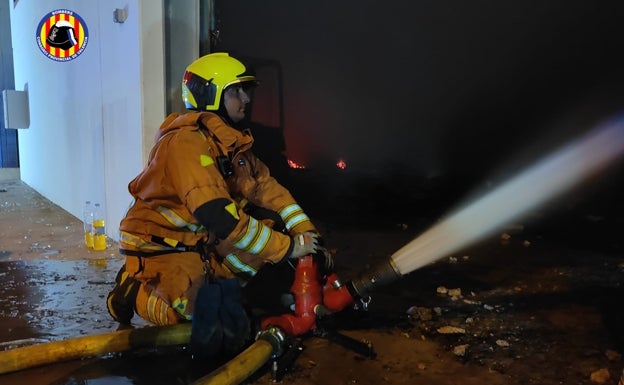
[92,118]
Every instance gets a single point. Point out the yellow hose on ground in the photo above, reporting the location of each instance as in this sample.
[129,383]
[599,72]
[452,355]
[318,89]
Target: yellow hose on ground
[240,367]
[88,346]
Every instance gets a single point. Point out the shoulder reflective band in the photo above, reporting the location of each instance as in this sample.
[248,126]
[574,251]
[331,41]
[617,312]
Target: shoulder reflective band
[205,160]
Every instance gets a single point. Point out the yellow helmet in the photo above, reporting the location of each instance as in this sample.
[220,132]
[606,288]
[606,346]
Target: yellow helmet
[207,77]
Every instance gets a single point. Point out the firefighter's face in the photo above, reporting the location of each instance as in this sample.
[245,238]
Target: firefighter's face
[236,98]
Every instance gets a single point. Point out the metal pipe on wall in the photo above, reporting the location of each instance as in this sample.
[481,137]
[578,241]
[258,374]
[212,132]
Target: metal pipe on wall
[183,35]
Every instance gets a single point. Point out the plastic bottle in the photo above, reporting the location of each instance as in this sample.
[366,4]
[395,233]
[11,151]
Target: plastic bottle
[87,220]
[99,228]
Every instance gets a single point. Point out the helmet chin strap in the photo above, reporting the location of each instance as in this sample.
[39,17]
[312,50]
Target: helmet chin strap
[222,112]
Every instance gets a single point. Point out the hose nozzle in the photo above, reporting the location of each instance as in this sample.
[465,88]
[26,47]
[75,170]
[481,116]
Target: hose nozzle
[384,273]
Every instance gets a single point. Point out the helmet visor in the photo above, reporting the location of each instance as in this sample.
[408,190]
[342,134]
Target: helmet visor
[204,91]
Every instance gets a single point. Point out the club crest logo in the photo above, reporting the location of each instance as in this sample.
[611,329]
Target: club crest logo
[62,35]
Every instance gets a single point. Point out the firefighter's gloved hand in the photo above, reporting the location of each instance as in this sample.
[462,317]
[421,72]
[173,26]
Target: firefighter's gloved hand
[324,259]
[304,244]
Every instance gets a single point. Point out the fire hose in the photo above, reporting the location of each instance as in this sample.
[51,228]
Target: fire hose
[312,299]
[246,363]
[89,346]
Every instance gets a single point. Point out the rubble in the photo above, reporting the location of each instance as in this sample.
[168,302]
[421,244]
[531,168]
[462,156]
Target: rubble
[460,350]
[600,376]
[451,330]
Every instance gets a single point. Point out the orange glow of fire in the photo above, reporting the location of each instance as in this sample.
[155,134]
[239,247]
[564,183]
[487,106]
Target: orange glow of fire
[293,164]
[341,164]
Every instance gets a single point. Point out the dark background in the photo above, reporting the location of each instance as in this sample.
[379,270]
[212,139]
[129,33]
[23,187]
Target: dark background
[434,86]
[427,99]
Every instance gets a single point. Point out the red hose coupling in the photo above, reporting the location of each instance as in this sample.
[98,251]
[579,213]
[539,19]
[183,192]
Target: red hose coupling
[290,324]
[307,291]
[336,296]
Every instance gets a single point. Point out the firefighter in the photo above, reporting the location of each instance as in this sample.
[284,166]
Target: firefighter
[192,237]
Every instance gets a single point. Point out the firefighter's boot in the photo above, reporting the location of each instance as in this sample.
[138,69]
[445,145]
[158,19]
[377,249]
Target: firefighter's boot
[121,300]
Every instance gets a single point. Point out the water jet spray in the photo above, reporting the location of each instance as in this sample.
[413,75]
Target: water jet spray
[533,187]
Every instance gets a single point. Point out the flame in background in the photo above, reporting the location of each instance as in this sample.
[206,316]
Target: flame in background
[295,165]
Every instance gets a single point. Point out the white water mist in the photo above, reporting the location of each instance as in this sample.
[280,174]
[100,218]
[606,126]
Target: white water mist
[547,178]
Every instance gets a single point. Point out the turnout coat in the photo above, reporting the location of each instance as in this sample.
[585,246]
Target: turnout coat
[198,158]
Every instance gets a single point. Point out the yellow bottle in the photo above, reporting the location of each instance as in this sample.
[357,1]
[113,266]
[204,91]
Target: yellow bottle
[99,229]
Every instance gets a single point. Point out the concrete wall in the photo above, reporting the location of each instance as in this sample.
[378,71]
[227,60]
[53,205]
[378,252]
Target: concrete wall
[93,118]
